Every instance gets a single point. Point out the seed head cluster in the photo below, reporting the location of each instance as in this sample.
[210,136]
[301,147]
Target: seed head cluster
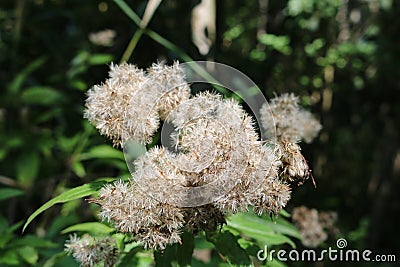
[292,124]
[314,225]
[91,251]
[218,160]
[129,104]
[291,121]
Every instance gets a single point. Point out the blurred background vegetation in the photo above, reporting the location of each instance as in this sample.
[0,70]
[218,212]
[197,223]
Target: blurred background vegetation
[340,56]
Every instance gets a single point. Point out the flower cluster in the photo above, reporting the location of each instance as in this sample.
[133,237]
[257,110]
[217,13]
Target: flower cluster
[314,225]
[124,107]
[219,164]
[292,124]
[90,251]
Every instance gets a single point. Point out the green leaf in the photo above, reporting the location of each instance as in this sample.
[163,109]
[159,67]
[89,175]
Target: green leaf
[227,244]
[6,193]
[78,84]
[166,257]
[27,168]
[284,213]
[54,259]
[33,241]
[185,250]
[177,253]
[5,238]
[95,228]
[202,243]
[262,230]
[18,81]
[102,152]
[280,225]
[100,59]
[10,257]
[41,95]
[29,254]
[71,194]
[78,169]
[128,11]
[14,227]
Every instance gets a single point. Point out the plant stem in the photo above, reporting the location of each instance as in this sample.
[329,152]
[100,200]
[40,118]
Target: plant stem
[132,45]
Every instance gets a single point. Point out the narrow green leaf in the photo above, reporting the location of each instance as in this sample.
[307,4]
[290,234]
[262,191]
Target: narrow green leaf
[128,11]
[78,169]
[262,237]
[41,95]
[78,84]
[100,59]
[102,152]
[33,241]
[281,225]
[260,229]
[74,193]
[19,80]
[6,193]
[5,238]
[284,213]
[14,227]
[95,228]
[27,168]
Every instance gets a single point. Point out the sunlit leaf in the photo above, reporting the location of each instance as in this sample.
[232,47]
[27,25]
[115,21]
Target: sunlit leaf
[96,228]
[102,152]
[78,169]
[100,59]
[71,194]
[262,229]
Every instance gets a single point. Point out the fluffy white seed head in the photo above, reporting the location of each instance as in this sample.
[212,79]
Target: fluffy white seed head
[133,211]
[292,122]
[90,251]
[215,143]
[171,87]
[121,108]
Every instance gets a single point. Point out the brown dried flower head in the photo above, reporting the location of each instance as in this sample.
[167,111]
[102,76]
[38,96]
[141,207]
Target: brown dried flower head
[91,251]
[216,147]
[313,225]
[292,122]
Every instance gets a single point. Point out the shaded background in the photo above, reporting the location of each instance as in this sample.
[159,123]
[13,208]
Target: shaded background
[341,57]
